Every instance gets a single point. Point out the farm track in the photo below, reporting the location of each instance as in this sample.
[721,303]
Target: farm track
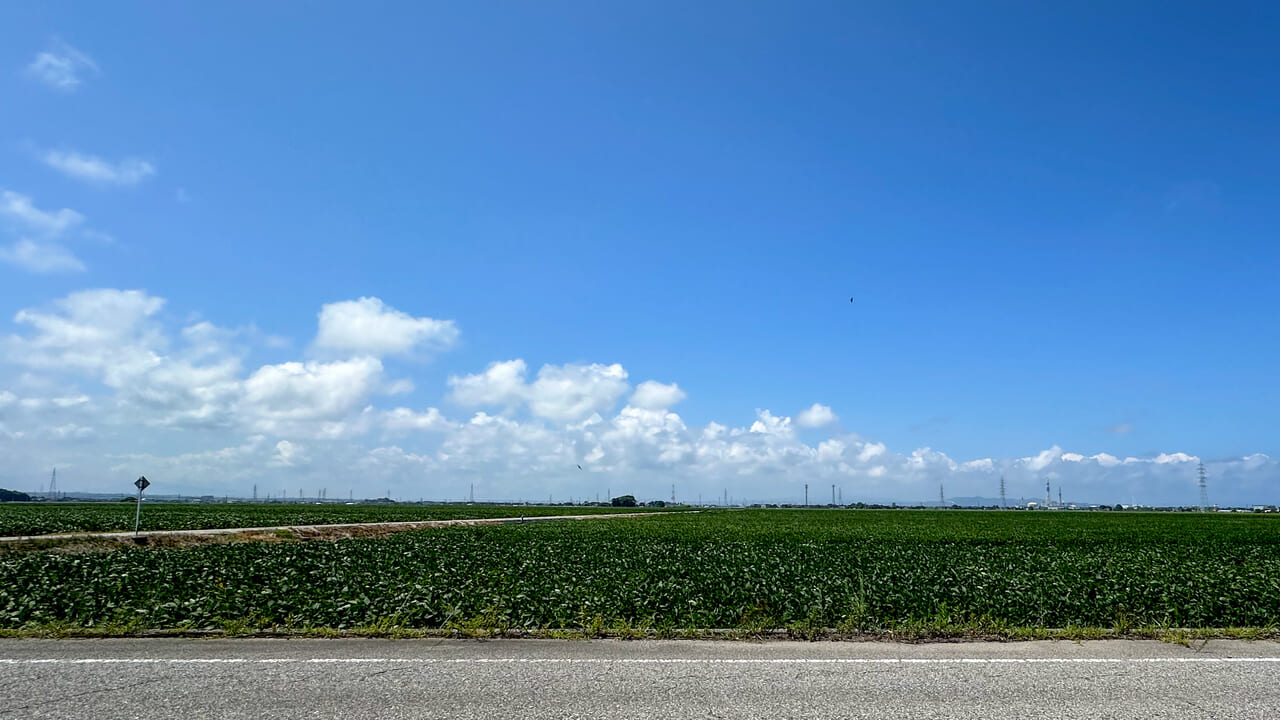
[307,532]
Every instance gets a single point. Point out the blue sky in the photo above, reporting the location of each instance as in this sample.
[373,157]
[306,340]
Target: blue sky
[1057,225]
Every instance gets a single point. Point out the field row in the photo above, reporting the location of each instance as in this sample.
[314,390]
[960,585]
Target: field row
[856,571]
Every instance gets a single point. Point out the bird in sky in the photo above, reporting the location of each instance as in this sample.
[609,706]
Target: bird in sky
[850,299]
[579,467]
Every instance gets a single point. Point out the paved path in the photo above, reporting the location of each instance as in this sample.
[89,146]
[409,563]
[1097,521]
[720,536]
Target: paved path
[169,678]
[305,529]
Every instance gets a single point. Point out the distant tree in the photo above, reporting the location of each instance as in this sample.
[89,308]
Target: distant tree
[624,501]
[657,503]
[13,496]
[1118,507]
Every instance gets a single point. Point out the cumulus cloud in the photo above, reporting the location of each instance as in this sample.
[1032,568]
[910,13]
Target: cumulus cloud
[115,337]
[405,419]
[288,454]
[1043,459]
[816,416]
[571,392]
[651,395]
[103,332]
[368,327]
[61,67]
[502,383]
[560,392]
[278,397]
[1105,460]
[93,169]
[99,377]
[41,258]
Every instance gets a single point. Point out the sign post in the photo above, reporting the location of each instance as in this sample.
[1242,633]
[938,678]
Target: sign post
[141,483]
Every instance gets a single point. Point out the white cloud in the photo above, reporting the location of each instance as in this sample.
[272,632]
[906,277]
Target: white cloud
[1120,429]
[871,451]
[61,67]
[1105,460]
[288,454]
[99,372]
[651,395]
[101,332]
[41,258]
[572,392]
[1166,458]
[289,397]
[563,393]
[69,431]
[816,416]
[768,424]
[502,383]
[405,419]
[368,327]
[1044,459]
[129,171]
[51,223]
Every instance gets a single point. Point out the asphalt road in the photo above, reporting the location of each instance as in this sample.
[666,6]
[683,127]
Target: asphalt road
[617,679]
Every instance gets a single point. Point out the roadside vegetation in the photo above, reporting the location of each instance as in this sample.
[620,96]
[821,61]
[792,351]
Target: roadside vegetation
[797,573]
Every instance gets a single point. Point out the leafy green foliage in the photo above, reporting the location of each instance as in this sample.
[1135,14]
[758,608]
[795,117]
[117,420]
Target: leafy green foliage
[756,570]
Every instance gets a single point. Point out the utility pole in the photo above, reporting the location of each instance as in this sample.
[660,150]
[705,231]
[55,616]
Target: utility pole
[806,494]
[255,492]
[942,497]
[1048,494]
[1059,496]
[833,493]
[1003,504]
[1204,488]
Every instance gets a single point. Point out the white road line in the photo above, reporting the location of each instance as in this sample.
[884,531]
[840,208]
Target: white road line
[642,661]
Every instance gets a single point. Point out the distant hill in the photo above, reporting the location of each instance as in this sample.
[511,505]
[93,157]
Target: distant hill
[978,501]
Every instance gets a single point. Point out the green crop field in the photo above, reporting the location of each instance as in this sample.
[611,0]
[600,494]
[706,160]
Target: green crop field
[47,518]
[810,571]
